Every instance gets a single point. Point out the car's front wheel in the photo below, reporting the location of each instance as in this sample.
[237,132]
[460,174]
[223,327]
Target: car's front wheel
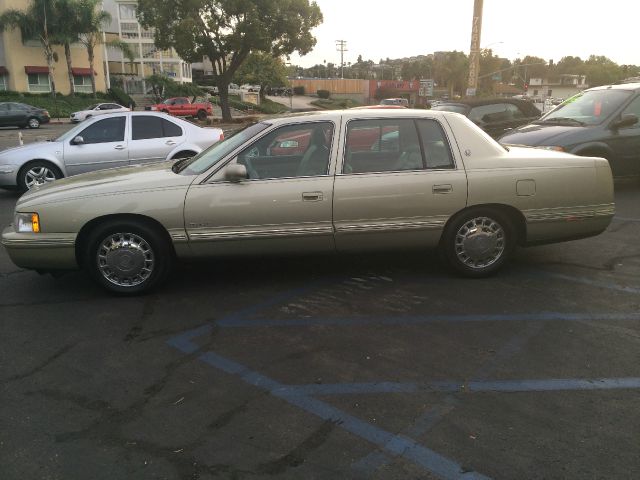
[37,173]
[128,257]
[478,242]
[33,122]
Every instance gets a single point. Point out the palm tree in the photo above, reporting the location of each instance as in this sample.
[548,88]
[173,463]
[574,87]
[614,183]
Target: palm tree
[90,23]
[68,33]
[38,22]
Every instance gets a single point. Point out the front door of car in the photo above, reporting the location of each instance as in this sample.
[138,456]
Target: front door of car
[153,138]
[284,206]
[102,144]
[400,190]
[625,143]
[18,114]
[4,114]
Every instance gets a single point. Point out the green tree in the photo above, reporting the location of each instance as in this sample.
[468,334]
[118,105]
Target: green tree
[165,87]
[491,68]
[38,22]
[89,22]
[227,31]
[262,69]
[451,69]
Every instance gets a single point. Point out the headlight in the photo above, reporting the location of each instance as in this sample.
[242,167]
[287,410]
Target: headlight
[27,223]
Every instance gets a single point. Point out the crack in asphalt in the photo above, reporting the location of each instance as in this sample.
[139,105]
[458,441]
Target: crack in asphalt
[41,366]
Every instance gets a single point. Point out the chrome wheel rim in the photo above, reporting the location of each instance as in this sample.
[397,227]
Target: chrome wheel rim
[38,176]
[479,242]
[34,123]
[125,259]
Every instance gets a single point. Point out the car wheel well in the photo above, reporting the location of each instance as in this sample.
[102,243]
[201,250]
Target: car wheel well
[85,232]
[594,152]
[184,154]
[516,217]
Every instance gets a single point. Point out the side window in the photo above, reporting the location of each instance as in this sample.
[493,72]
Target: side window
[633,107]
[145,126]
[513,112]
[106,106]
[489,113]
[103,131]
[435,145]
[4,107]
[170,129]
[300,150]
[382,146]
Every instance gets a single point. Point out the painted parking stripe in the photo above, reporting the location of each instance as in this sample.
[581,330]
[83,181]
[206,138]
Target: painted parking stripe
[396,445]
[593,283]
[474,386]
[419,319]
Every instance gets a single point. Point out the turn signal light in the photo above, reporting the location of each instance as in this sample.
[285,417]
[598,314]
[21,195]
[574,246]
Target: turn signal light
[35,223]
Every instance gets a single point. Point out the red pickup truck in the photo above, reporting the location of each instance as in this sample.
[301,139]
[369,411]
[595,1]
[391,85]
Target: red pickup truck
[182,107]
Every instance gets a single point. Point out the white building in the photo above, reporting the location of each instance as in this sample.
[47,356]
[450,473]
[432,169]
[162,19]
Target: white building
[148,58]
[559,86]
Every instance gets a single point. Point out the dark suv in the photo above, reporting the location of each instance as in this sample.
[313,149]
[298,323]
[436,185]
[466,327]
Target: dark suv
[494,115]
[13,114]
[599,122]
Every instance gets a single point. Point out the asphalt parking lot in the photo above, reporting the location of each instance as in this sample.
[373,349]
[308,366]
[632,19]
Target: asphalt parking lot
[374,366]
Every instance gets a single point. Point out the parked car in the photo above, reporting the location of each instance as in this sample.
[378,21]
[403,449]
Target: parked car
[495,116]
[97,109]
[395,101]
[13,114]
[599,122]
[250,88]
[442,182]
[107,141]
[182,107]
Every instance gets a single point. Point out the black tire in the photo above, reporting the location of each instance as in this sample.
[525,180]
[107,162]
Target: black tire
[480,253]
[202,115]
[33,122]
[37,172]
[138,258]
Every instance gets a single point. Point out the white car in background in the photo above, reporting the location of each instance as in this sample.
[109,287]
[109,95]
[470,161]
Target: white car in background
[108,141]
[97,109]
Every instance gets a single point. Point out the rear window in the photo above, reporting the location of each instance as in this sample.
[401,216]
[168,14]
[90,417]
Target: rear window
[451,108]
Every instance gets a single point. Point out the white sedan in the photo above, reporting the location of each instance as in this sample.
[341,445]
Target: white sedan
[108,141]
[97,109]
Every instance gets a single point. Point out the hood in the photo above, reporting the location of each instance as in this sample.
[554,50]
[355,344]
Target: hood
[106,182]
[540,134]
[17,154]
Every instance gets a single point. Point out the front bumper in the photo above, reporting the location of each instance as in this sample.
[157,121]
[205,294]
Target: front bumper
[41,251]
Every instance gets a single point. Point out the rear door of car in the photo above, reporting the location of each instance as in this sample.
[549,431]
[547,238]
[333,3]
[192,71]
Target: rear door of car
[104,145]
[401,190]
[153,138]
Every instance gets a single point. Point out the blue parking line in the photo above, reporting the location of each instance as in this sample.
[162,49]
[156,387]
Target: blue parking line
[473,386]
[396,445]
[420,319]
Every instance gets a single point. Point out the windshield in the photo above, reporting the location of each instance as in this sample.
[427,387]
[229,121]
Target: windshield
[451,108]
[209,157]
[93,107]
[587,108]
[70,133]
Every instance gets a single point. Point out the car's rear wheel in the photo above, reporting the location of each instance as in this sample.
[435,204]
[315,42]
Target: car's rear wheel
[33,122]
[478,242]
[202,115]
[37,173]
[128,257]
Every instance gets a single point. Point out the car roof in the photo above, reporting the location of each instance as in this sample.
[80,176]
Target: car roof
[475,102]
[352,114]
[618,86]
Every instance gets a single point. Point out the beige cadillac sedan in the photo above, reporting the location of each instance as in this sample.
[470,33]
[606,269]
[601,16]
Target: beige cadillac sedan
[341,181]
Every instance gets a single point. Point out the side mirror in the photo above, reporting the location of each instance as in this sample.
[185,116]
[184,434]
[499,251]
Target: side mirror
[235,173]
[626,120]
[77,140]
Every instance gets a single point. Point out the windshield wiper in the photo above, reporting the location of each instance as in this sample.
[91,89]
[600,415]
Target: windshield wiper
[561,120]
[177,166]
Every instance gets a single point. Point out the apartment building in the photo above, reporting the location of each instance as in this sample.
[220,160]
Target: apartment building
[23,67]
[148,59]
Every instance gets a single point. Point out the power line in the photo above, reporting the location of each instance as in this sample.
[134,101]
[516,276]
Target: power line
[341,46]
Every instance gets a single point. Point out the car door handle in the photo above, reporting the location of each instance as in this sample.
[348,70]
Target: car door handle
[312,196]
[445,188]
[119,147]
[170,142]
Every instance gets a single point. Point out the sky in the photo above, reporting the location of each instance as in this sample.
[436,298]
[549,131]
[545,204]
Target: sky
[550,29]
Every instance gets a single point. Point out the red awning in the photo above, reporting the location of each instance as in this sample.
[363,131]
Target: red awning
[31,69]
[82,72]
[4,71]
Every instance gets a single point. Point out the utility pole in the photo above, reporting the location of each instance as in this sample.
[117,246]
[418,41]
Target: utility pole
[341,46]
[474,57]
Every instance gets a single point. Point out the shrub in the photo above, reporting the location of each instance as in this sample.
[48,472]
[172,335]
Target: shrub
[324,94]
[118,95]
[299,90]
